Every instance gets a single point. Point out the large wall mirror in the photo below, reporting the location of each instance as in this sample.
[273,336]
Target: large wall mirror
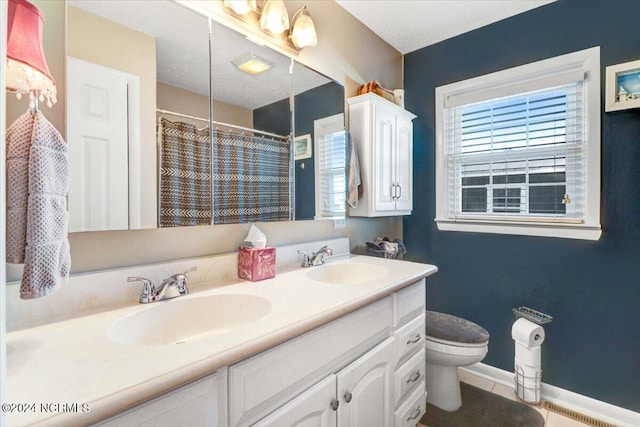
[145,67]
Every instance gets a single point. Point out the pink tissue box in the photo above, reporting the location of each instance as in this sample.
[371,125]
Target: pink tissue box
[256,263]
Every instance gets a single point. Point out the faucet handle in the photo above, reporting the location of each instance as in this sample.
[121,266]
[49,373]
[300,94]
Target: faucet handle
[189,270]
[180,280]
[305,258]
[148,290]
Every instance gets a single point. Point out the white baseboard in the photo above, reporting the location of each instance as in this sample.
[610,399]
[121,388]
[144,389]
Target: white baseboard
[565,398]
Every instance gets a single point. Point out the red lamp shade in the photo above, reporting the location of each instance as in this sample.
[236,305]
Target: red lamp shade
[27,69]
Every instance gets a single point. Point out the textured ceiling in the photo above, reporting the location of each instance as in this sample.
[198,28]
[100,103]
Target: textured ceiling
[408,25]
[182,52]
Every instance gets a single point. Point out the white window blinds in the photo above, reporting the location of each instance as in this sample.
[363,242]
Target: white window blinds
[519,156]
[518,150]
[330,164]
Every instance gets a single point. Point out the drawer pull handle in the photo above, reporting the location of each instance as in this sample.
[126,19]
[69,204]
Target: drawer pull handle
[334,404]
[415,377]
[347,397]
[415,340]
[417,412]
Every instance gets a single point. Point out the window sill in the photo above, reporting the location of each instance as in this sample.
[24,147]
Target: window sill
[566,231]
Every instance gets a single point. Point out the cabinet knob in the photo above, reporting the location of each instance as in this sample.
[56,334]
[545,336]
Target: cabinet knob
[417,412]
[334,404]
[415,340]
[347,397]
[415,377]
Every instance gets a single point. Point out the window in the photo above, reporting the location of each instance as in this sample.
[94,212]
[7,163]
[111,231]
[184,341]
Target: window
[518,151]
[330,163]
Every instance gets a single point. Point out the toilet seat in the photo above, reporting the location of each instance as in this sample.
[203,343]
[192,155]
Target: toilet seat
[452,330]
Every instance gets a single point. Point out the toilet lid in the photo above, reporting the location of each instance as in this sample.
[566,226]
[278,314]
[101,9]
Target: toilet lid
[451,328]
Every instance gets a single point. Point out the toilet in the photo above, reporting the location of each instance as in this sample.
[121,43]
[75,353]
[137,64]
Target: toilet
[450,342]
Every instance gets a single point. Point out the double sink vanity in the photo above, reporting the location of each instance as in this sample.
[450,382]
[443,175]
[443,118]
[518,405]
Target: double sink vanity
[339,344]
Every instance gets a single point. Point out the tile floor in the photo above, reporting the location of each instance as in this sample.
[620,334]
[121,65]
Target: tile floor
[551,418]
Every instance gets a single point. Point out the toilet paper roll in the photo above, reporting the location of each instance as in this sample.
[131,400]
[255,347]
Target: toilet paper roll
[531,356]
[527,333]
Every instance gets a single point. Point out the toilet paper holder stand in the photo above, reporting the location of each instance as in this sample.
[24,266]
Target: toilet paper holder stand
[532,315]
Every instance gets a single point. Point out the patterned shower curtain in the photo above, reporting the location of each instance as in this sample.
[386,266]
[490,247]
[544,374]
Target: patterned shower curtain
[185,174]
[251,178]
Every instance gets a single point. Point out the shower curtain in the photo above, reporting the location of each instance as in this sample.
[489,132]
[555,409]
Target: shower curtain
[185,174]
[251,178]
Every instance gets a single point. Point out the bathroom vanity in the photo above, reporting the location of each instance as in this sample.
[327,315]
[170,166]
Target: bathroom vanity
[340,344]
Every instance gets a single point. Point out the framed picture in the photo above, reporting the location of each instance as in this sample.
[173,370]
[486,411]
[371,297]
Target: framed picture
[623,86]
[302,147]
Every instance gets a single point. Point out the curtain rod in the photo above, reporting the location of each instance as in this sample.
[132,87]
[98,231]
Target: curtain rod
[173,113]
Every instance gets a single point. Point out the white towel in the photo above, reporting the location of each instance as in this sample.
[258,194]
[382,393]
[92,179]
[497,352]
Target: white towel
[353,173]
[37,229]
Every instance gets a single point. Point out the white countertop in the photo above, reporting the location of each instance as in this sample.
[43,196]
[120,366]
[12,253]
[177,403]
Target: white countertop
[73,361]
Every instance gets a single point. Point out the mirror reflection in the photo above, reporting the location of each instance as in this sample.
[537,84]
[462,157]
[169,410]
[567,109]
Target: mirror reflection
[172,170]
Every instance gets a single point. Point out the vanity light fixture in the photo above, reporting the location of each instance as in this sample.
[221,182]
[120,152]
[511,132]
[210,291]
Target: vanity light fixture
[274,17]
[241,7]
[272,20]
[303,31]
[252,64]
[26,66]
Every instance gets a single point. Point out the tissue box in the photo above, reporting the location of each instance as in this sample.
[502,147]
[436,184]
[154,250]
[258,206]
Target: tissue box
[256,263]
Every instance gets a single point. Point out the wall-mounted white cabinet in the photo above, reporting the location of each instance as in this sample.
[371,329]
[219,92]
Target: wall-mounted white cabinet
[383,134]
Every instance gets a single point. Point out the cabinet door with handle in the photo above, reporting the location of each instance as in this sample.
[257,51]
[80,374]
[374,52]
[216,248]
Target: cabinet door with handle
[403,165]
[365,389]
[316,407]
[384,157]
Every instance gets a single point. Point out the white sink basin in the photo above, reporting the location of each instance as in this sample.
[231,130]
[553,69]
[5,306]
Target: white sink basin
[179,321]
[350,273]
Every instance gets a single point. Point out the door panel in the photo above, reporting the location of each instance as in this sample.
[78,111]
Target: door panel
[97,135]
[310,409]
[384,140]
[364,389]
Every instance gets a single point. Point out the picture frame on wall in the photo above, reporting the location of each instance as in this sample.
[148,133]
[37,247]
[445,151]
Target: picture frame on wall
[302,147]
[623,86]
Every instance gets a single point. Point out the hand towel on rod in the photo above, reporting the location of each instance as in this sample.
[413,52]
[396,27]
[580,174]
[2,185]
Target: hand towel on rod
[353,173]
[37,229]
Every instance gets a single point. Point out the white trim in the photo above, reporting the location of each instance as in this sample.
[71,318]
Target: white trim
[565,398]
[324,126]
[588,61]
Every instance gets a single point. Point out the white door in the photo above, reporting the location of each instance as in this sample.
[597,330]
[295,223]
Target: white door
[97,138]
[313,408]
[404,165]
[364,389]
[384,140]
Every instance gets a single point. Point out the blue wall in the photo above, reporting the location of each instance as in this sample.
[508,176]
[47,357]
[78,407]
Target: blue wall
[591,288]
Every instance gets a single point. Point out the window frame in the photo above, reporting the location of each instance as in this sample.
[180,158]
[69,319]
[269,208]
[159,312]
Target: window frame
[486,87]
[321,127]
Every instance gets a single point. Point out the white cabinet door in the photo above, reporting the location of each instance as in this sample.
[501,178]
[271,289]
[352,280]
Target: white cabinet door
[365,391]
[404,165]
[313,408]
[384,156]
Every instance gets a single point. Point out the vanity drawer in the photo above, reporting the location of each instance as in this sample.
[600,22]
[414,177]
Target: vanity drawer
[259,385]
[409,338]
[409,302]
[413,409]
[409,376]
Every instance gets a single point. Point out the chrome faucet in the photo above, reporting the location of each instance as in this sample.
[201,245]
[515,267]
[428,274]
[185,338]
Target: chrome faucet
[317,258]
[170,287]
